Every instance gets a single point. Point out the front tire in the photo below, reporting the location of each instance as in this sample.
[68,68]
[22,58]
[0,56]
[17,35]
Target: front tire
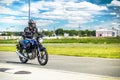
[43,57]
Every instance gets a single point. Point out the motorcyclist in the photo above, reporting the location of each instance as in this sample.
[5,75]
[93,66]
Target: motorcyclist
[29,32]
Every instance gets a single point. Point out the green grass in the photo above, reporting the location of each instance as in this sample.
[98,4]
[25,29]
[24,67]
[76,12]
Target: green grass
[9,41]
[8,48]
[93,40]
[76,49]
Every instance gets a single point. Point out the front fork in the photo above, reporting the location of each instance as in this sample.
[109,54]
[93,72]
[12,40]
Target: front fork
[40,48]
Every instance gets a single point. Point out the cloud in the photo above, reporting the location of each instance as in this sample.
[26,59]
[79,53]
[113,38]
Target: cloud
[23,22]
[68,10]
[11,28]
[7,11]
[113,13]
[41,23]
[114,3]
[85,5]
[66,0]
[12,20]
[8,2]
[57,10]
[115,10]
[63,9]
[77,12]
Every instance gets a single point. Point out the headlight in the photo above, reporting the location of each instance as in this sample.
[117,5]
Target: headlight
[40,40]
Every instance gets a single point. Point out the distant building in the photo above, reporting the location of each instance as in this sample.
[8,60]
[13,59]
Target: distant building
[108,32]
[1,32]
[10,37]
[66,35]
[117,31]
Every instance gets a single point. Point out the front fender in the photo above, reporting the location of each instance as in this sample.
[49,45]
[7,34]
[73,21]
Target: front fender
[42,48]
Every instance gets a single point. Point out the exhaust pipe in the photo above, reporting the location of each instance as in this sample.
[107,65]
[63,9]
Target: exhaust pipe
[21,55]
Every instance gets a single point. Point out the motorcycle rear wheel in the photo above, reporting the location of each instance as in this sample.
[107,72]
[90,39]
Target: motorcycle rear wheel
[22,59]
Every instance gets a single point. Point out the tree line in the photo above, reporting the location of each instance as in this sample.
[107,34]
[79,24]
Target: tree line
[57,32]
[61,32]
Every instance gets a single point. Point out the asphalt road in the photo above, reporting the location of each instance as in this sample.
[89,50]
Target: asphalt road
[97,66]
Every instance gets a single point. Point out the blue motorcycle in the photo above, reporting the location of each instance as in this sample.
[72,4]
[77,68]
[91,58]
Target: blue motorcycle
[32,48]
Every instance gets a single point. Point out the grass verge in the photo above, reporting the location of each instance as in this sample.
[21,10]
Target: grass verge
[94,40]
[76,49]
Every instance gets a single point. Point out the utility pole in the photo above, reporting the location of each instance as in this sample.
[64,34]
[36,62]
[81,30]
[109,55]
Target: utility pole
[79,33]
[29,9]
[54,31]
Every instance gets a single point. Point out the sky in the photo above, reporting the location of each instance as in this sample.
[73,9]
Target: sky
[54,14]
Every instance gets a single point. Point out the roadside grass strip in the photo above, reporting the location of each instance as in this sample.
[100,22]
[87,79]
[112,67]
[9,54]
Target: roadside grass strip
[79,50]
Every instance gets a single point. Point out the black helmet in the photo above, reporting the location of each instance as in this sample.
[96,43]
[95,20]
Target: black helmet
[31,21]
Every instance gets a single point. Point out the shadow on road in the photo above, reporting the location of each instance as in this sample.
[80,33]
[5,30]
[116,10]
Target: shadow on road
[13,62]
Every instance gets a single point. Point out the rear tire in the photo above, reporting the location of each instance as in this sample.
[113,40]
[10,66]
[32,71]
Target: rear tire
[23,60]
[43,57]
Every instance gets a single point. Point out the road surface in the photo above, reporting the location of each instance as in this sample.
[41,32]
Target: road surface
[100,67]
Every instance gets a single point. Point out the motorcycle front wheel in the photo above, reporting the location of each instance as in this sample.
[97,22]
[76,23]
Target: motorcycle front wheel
[43,57]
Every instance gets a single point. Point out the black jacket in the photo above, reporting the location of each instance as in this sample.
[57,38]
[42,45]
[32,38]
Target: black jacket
[30,33]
